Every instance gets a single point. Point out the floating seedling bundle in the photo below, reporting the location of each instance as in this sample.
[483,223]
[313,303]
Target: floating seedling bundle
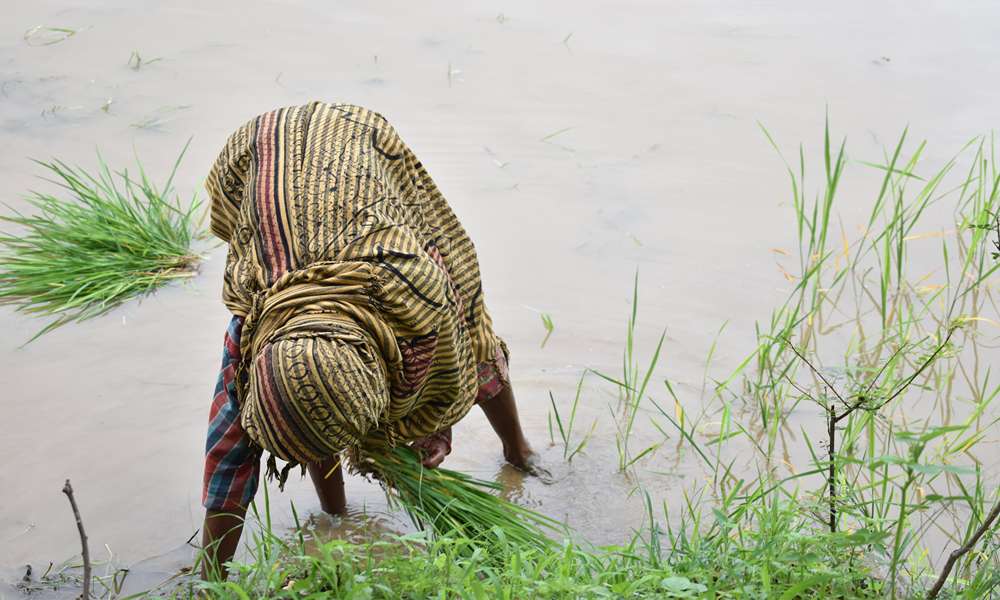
[115,237]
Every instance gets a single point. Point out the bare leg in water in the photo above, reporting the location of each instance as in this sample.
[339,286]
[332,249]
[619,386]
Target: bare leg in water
[222,530]
[328,479]
[501,411]
[219,537]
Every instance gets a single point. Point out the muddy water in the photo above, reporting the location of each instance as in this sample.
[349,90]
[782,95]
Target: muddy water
[577,141]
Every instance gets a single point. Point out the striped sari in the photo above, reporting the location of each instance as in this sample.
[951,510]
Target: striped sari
[364,321]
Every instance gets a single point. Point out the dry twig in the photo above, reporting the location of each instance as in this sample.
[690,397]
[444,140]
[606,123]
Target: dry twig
[68,490]
[962,550]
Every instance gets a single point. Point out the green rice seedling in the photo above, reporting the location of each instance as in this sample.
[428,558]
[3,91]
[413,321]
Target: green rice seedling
[711,355]
[549,327]
[566,432]
[107,580]
[136,61]
[115,238]
[450,502]
[631,388]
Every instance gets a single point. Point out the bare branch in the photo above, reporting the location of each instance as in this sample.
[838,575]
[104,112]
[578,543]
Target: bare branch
[815,370]
[885,366]
[962,550]
[799,388]
[68,490]
[917,373]
[847,412]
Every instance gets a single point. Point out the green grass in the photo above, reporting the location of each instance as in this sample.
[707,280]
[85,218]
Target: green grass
[107,238]
[891,356]
[763,563]
[765,545]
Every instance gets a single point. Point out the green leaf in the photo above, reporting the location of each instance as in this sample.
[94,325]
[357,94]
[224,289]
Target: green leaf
[806,584]
[681,587]
[938,469]
[928,434]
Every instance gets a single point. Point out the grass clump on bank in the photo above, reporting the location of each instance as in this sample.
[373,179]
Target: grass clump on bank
[778,558]
[115,238]
[883,337]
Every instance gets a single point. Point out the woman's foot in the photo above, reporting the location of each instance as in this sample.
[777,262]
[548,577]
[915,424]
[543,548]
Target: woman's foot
[501,411]
[518,455]
[523,458]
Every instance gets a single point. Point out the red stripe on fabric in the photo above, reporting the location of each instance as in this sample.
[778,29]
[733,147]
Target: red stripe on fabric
[264,185]
[265,189]
[232,348]
[217,403]
[266,383]
[280,241]
[218,455]
[277,247]
[237,487]
[228,376]
[228,440]
[270,394]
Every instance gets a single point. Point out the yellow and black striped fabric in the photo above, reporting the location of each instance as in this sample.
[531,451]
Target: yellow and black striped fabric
[363,305]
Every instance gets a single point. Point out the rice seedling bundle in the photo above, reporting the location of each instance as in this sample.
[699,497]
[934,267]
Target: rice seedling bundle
[452,503]
[115,238]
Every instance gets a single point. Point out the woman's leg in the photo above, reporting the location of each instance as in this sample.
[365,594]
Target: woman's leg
[232,465]
[501,411]
[219,538]
[328,477]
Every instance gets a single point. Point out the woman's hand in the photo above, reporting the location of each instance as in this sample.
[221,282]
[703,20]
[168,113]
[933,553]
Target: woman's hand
[434,448]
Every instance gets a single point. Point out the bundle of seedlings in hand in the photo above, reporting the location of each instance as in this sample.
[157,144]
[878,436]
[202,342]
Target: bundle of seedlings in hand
[452,503]
[113,239]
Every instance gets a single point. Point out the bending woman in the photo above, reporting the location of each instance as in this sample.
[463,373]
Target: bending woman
[358,314]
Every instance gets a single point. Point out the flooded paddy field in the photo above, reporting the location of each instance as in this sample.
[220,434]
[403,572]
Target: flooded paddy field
[579,143]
